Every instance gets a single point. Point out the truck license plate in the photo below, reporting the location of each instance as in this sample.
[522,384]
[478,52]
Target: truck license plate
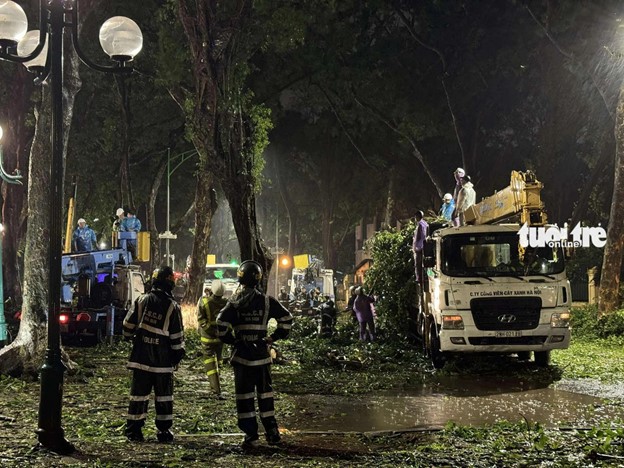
[508,334]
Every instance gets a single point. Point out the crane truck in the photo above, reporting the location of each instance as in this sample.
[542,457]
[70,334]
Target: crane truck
[98,288]
[485,291]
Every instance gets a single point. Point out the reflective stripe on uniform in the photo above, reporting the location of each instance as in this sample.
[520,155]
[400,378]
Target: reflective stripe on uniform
[176,335]
[139,398]
[154,330]
[143,367]
[210,340]
[177,346]
[136,417]
[259,362]
[246,415]
[163,398]
[245,396]
[249,327]
[210,359]
[266,414]
[265,395]
[164,417]
[214,371]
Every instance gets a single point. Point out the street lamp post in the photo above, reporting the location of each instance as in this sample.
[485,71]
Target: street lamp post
[168,235]
[42,53]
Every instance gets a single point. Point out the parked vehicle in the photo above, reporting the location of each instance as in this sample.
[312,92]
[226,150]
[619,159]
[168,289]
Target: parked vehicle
[485,292]
[97,290]
[226,272]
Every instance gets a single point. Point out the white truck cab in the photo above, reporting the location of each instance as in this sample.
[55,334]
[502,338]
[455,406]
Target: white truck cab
[484,292]
[226,272]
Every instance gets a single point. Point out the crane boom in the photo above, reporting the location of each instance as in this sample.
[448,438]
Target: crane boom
[521,198]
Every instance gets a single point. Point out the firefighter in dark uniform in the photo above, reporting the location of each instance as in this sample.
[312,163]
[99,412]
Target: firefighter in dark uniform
[208,308]
[155,327]
[243,323]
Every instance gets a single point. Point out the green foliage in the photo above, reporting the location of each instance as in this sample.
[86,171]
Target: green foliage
[606,439]
[601,359]
[586,324]
[261,124]
[391,278]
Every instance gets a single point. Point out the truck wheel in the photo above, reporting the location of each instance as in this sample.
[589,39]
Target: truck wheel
[420,331]
[524,355]
[437,356]
[542,358]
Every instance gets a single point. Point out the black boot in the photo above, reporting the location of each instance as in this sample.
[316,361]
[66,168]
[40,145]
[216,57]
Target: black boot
[273,437]
[134,436]
[165,436]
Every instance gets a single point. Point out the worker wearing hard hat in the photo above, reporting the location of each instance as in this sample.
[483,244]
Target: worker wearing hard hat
[448,205]
[121,214]
[208,307]
[83,239]
[465,199]
[458,174]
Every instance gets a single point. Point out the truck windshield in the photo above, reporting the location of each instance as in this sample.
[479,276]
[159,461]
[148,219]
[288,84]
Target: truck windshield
[225,274]
[497,254]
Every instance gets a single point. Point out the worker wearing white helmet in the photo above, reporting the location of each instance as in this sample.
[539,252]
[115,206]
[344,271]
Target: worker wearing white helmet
[208,307]
[83,238]
[121,214]
[448,205]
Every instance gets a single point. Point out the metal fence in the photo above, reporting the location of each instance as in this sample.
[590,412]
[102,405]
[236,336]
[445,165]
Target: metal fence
[580,291]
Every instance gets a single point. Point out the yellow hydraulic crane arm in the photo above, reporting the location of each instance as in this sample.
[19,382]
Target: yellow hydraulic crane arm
[521,198]
[71,213]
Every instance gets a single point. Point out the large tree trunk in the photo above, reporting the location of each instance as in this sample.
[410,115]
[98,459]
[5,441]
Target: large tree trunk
[609,298]
[16,149]
[221,130]
[205,207]
[26,353]
[243,208]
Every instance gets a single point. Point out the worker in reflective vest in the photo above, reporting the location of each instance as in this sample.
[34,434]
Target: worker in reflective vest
[243,323]
[208,308]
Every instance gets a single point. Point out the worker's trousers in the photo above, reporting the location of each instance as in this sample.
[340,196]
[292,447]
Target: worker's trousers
[142,384]
[213,348]
[249,381]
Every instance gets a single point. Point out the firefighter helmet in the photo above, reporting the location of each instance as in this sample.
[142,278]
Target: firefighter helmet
[249,273]
[217,288]
[164,277]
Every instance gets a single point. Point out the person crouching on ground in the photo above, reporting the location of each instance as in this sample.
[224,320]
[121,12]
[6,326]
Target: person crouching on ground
[243,323]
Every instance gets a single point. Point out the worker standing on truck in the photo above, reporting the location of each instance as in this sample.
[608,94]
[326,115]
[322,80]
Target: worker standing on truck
[418,245]
[155,327]
[243,323]
[131,224]
[121,215]
[458,174]
[466,198]
[447,208]
[208,307]
[83,239]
